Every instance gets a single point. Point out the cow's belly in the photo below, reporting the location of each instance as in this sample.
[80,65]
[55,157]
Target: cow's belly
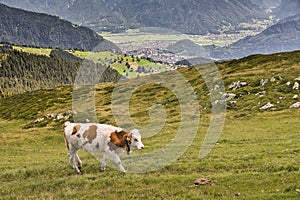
[93,147]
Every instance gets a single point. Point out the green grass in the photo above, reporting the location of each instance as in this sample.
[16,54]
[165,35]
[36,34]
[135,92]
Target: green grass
[37,51]
[256,157]
[120,66]
[255,160]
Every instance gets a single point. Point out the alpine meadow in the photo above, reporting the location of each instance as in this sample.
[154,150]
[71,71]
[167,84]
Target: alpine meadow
[212,87]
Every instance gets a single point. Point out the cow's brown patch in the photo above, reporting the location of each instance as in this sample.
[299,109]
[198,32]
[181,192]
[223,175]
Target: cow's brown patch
[119,138]
[90,134]
[75,129]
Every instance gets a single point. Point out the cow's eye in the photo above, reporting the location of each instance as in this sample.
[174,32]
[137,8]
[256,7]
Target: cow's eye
[135,140]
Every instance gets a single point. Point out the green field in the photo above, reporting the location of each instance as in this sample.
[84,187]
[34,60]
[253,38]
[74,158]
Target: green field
[38,51]
[256,156]
[255,160]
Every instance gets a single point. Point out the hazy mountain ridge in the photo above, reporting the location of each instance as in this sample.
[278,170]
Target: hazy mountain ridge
[287,8]
[187,16]
[283,36]
[267,4]
[42,30]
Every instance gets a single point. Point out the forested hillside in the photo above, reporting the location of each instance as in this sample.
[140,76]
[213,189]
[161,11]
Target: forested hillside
[21,27]
[20,72]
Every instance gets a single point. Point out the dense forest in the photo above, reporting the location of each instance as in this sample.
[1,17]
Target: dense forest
[21,72]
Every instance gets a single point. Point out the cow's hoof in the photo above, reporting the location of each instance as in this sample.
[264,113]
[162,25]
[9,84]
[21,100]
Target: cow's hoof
[102,170]
[78,172]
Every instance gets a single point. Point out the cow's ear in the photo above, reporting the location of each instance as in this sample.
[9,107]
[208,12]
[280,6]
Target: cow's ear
[117,138]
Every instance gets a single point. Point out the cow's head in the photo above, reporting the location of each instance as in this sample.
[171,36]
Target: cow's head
[136,139]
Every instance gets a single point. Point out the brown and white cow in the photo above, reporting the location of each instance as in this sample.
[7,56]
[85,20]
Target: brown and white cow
[99,138]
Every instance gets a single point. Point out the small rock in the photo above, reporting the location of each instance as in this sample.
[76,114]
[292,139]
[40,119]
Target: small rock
[216,87]
[288,83]
[243,84]
[260,93]
[297,79]
[263,82]
[39,120]
[267,106]
[51,115]
[237,84]
[228,96]
[272,79]
[296,86]
[237,194]
[71,112]
[298,190]
[59,116]
[295,105]
[295,96]
[201,181]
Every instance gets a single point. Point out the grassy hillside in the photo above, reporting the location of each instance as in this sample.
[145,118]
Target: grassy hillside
[256,157]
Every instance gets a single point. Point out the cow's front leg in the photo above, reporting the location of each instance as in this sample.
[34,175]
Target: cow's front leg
[73,161]
[116,159]
[103,165]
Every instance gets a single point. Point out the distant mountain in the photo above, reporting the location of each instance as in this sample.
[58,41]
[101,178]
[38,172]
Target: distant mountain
[288,8]
[33,29]
[187,48]
[186,16]
[283,36]
[267,4]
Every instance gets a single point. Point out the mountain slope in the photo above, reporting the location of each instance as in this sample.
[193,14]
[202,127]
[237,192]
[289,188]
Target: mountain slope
[283,36]
[267,4]
[21,72]
[278,69]
[187,16]
[287,8]
[32,29]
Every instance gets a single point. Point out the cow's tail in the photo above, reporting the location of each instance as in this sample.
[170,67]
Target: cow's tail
[65,137]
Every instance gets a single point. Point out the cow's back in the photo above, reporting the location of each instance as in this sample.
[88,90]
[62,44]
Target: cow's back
[89,136]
